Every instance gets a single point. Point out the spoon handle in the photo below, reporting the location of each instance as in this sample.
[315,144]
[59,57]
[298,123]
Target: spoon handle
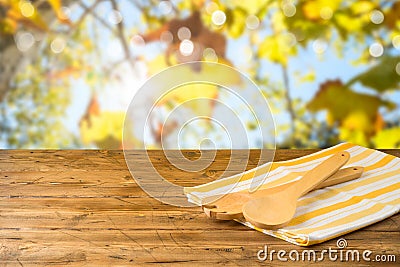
[320,173]
[341,176]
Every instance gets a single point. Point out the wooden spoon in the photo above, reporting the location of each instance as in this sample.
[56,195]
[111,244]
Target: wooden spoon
[229,206]
[275,210]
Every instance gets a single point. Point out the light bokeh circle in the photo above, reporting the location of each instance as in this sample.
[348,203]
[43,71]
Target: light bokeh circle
[174,110]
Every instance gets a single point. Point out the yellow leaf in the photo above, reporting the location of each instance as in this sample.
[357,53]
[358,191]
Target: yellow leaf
[207,72]
[251,7]
[354,136]
[388,138]
[88,44]
[312,9]
[355,18]
[198,3]
[356,120]
[199,98]
[15,15]
[356,113]
[156,65]
[57,7]
[349,23]
[8,26]
[105,128]
[308,77]
[276,48]
[362,7]
[278,22]
[237,21]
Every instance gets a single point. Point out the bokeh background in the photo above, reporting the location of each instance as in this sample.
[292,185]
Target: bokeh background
[330,69]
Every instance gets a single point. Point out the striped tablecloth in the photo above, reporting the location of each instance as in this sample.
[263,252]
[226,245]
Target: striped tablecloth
[329,212]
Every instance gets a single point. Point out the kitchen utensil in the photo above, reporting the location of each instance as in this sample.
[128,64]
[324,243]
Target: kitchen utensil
[277,209]
[229,206]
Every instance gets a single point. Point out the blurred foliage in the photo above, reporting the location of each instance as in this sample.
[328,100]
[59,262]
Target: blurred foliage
[359,110]
[25,13]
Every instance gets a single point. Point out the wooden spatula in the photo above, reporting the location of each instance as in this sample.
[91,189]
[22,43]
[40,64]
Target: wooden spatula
[277,209]
[229,206]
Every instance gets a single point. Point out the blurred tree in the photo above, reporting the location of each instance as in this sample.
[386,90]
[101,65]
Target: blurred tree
[14,17]
[274,31]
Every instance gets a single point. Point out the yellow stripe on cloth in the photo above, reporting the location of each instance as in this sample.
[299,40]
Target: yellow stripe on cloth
[329,212]
[344,206]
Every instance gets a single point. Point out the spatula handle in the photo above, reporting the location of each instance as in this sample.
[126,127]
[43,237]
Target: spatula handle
[320,173]
[341,176]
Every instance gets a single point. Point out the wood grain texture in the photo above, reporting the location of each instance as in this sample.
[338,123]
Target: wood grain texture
[82,208]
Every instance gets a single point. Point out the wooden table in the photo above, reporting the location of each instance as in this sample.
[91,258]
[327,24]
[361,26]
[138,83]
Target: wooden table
[82,208]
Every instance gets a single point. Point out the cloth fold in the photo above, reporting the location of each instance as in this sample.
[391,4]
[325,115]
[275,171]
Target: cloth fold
[329,212]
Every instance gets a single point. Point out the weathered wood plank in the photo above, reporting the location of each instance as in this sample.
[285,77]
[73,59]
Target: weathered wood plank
[82,208]
[130,219]
[35,244]
[201,246]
